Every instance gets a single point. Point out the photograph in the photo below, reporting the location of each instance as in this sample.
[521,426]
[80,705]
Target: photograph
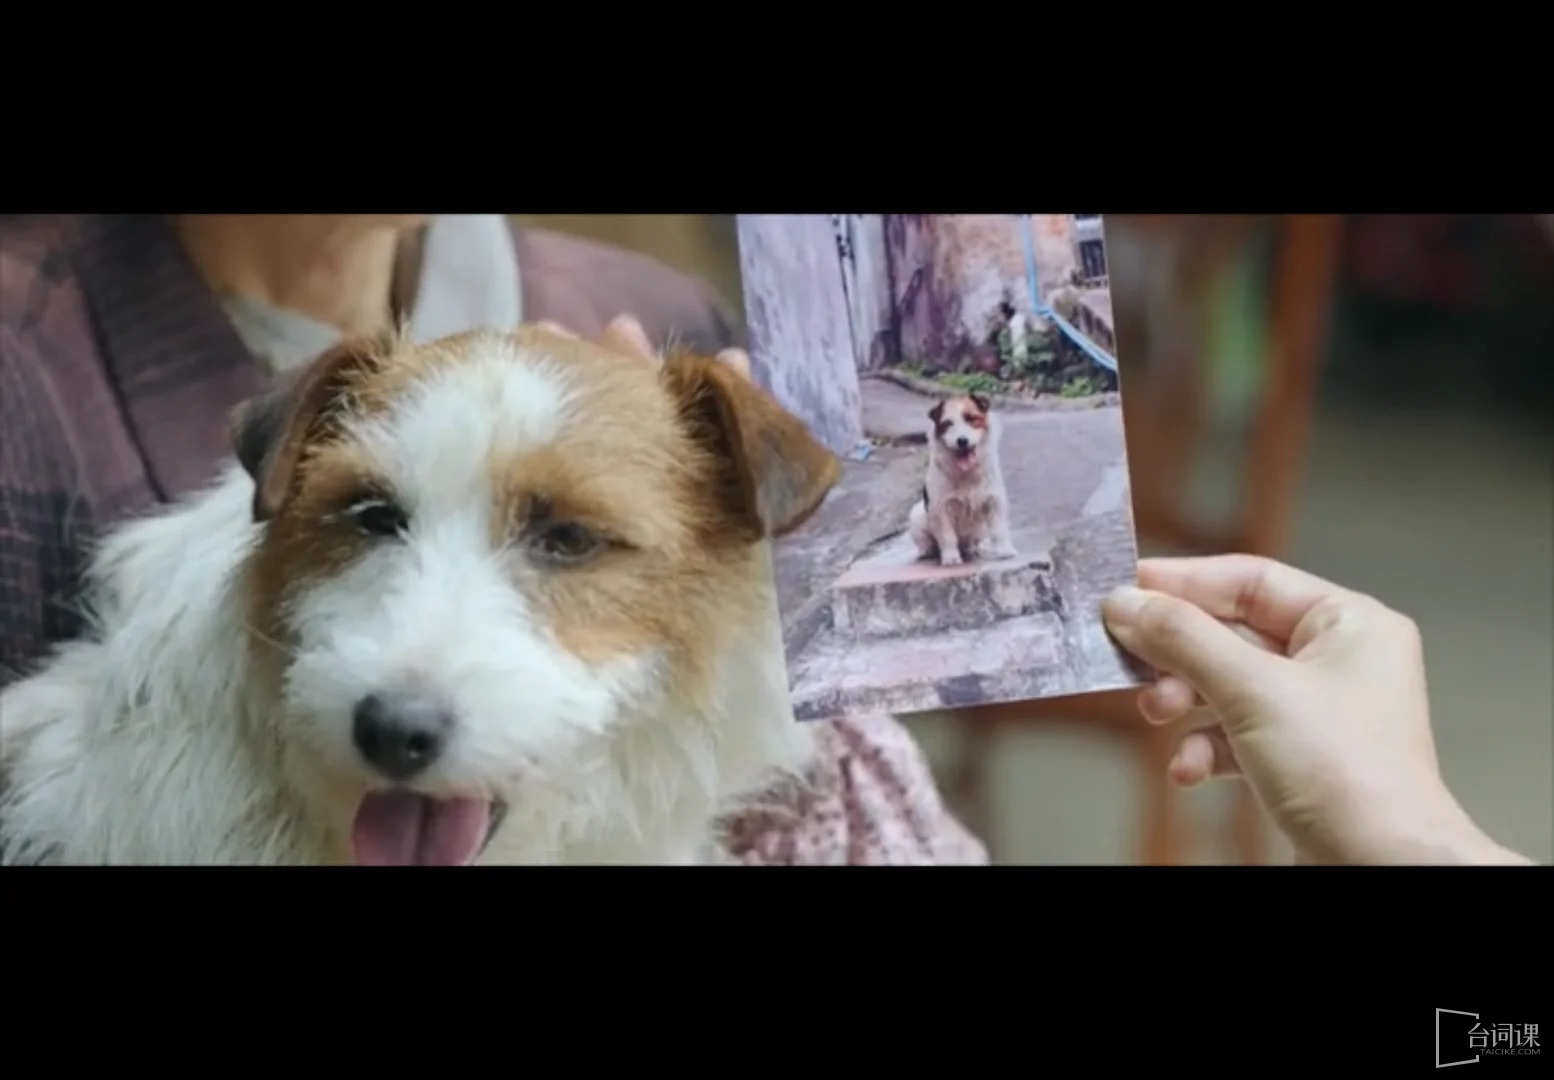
[963,368]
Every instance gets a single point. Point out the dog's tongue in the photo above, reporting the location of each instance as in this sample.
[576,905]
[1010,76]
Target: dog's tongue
[402,829]
[967,461]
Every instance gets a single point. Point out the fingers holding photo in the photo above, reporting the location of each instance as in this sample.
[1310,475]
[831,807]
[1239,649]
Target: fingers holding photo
[1204,754]
[1178,638]
[1267,596]
[1169,698]
[1172,697]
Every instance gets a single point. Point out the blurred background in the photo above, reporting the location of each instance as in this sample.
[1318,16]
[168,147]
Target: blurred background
[1367,397]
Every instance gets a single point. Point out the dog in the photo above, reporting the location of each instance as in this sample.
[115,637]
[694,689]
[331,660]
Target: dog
[964,510]
[503,598]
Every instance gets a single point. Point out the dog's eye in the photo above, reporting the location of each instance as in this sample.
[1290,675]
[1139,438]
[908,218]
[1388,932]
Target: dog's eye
[379,517]
[566,541]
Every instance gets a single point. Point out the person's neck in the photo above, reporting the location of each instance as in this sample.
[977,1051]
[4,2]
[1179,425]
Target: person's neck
[327,267]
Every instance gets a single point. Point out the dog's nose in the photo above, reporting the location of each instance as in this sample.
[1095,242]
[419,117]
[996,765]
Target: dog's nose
[399,736]
[963,442]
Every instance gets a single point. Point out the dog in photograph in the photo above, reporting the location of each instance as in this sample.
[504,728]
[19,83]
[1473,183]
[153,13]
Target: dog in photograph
[505,598]
[964,511]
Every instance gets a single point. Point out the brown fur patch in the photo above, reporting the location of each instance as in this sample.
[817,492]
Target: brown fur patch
[308,539]
[969,408]
[772,474]
[624,469]
[272,433]
[972,409]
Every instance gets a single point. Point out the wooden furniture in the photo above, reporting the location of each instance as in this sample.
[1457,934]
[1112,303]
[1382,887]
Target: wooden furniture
[1163,429]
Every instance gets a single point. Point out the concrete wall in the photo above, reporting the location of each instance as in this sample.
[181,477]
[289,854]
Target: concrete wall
[1095,319]
[945,276]
[949,272]
[800,331]
[984,256]
[876,340]
[1056,259]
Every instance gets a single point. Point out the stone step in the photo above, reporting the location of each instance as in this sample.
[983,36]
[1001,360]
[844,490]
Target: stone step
[889,600]
[1015,660]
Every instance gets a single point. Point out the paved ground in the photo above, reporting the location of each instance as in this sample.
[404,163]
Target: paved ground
[1053,461]
[866,508]
[1069,500]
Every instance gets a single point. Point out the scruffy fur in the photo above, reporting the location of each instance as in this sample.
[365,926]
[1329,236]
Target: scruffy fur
[964,511]
[617,702]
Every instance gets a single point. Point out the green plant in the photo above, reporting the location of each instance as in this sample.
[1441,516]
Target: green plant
[1040,349]
[974,382]
[1083,386]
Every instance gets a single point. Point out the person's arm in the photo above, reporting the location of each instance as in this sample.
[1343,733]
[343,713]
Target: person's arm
[1440,831]
[1320,702]
[1482,851]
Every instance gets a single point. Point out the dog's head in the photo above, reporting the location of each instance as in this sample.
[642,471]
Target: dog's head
[484,556]
[960,428]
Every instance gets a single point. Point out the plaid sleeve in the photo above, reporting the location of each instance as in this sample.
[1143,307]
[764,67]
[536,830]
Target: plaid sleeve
[39,567]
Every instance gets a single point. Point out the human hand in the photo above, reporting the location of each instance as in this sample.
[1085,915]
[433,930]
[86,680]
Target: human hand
[625,335]
[1320,703]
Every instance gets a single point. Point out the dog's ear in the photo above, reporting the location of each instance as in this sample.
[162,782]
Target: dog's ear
[773,472]
[982,402]
[270,432]
[937,412]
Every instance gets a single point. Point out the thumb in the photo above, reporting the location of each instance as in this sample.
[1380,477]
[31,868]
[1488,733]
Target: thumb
[1182,639]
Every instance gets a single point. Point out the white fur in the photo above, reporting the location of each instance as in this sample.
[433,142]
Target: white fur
[159,740]
[964,512]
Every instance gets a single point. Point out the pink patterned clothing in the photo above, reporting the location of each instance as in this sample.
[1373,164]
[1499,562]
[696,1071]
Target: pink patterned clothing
[118,374]
[871,801]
